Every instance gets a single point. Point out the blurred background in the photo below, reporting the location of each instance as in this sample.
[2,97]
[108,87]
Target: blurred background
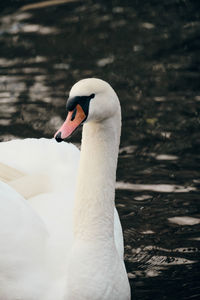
[149,51]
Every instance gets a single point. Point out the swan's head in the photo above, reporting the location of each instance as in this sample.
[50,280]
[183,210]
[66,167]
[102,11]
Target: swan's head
[90,100]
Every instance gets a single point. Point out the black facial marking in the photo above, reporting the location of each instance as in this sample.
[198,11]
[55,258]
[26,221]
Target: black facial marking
[83,101]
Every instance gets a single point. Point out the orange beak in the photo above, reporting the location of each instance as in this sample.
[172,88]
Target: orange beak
[73,121]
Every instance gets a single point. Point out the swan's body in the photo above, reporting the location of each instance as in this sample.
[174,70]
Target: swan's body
[50,246]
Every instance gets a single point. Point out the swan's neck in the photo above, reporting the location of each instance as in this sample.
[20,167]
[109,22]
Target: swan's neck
[94,202]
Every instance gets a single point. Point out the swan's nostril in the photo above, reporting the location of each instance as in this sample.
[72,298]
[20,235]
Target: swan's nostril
[74,114]
[58,137]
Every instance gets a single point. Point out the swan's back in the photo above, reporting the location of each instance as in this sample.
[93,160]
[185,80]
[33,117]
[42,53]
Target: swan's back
[42,156]
[25,225]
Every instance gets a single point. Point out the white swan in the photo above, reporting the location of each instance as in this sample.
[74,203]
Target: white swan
[52,247]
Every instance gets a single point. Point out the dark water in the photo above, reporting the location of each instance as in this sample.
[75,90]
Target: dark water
[150,53]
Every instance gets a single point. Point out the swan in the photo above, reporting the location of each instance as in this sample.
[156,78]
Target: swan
[60,234]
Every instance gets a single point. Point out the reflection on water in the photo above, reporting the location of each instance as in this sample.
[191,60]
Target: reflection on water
[184,220]
[148,51]
[162,188]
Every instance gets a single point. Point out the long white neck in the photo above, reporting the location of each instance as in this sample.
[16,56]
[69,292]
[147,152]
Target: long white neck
[94,201]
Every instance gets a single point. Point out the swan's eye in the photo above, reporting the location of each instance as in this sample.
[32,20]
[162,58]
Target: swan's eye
[92,96]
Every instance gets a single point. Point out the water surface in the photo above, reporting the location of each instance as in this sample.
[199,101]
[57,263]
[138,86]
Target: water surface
[149,52]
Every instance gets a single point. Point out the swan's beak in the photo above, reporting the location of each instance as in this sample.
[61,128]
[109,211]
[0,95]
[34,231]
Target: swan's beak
[74,119]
